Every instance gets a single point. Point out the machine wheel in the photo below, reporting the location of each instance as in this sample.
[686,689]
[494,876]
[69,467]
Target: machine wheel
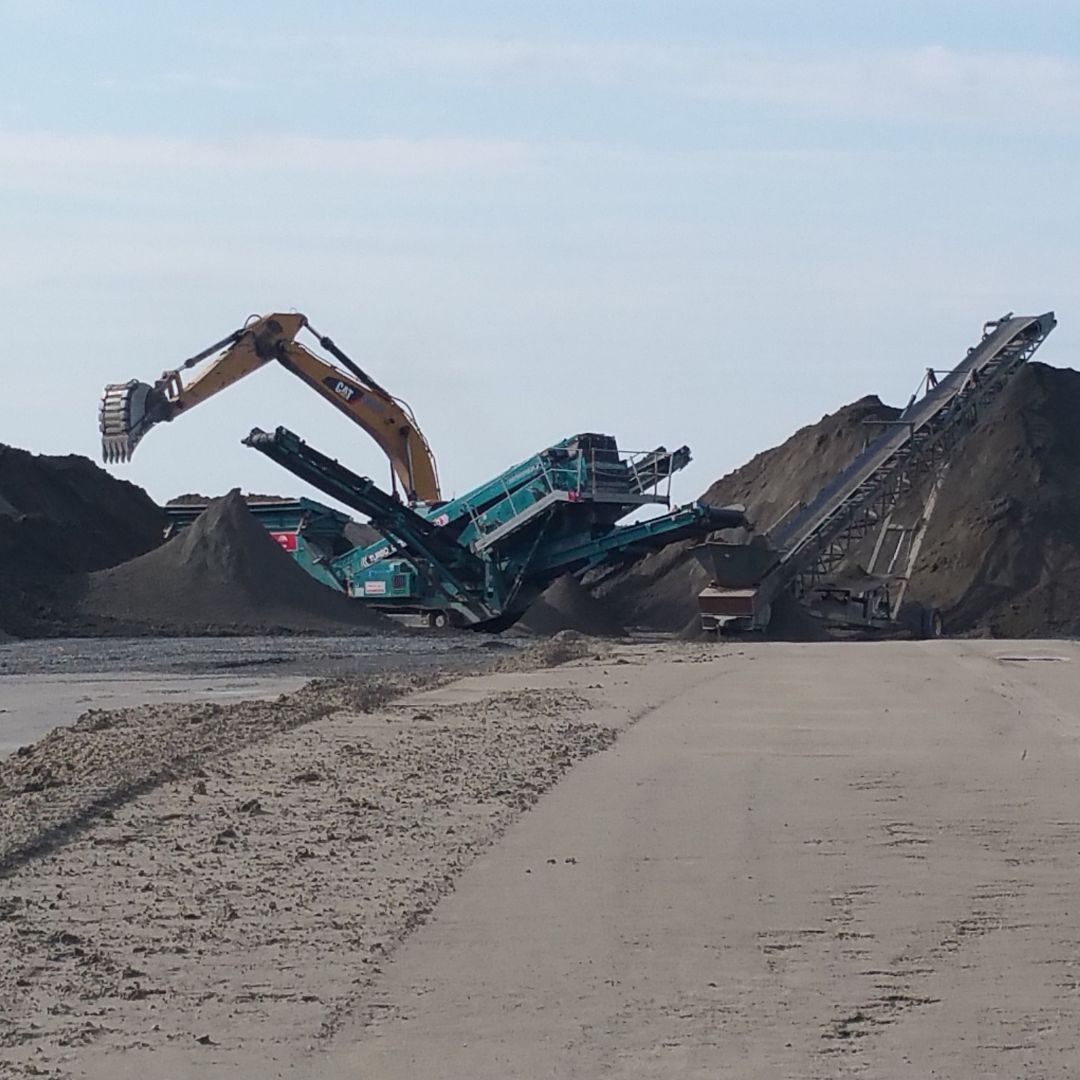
[930,624]
[438,620]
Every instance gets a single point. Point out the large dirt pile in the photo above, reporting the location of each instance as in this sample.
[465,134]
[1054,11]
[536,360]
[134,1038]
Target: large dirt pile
[660,591]
[62,515]
[222,574]
[568,605]
[1002,551]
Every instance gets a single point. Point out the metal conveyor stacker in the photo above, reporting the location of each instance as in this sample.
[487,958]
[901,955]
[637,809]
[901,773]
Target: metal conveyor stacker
[807,549]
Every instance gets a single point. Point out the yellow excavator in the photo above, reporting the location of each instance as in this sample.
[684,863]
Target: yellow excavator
[129,410]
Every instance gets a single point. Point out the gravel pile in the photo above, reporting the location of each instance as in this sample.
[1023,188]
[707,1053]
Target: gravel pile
[568,605]
[223,574]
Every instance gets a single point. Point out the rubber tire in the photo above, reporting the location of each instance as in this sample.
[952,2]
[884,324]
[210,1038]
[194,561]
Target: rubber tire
[438,620]
[930,624]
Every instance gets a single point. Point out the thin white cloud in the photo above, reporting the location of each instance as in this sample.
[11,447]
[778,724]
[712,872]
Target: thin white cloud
[930,83]
[926,84]
[41,157]
[105,164]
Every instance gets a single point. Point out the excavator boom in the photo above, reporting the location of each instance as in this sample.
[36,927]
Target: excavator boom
[129,410]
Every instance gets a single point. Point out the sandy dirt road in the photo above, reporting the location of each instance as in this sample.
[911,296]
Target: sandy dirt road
[794,861]
[809,861]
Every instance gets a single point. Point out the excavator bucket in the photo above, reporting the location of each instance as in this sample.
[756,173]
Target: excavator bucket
[125,417]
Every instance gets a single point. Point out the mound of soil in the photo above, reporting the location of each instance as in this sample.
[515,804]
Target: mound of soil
[1002,550]
[63,515]
[1001,554]
[568,605]
[660,591]
[223,574]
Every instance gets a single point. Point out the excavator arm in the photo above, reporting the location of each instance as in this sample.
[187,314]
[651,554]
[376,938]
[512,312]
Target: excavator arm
[129,410]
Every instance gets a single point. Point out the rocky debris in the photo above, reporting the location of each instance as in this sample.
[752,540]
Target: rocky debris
[562,648]
[76,774]
[360,534]
[568,605]
[223,574]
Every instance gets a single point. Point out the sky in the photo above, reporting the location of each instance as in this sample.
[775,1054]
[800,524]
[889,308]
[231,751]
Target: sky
[689,221]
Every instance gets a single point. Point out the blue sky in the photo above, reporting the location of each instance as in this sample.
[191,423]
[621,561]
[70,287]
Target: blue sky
[674,222]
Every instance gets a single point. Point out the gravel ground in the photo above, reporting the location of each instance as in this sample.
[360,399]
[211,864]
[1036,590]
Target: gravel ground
[309,656]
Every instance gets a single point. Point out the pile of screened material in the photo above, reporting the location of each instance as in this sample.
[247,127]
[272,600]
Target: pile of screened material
[223,574]
[1001,554]
[567,605]
[358,533]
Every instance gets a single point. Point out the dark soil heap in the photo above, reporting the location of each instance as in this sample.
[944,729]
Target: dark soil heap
[1002,551]
[567,605]
[223,574]
[1001,554]
[63,515]
[660,591]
